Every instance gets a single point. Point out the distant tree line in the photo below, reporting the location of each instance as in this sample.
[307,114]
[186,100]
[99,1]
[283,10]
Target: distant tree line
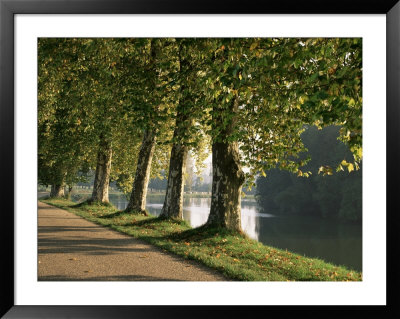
[337,195]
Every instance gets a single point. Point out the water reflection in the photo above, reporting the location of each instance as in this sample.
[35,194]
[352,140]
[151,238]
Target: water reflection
[195,210]
[326,239]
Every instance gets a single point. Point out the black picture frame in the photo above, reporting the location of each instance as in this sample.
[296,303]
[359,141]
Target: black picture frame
[8,8]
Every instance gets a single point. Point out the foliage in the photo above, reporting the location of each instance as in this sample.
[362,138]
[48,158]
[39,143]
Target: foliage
[85,95]
[91,89]
[281,84]
[61,155]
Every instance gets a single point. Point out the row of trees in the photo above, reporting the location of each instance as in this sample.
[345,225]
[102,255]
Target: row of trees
[130,108]
[337,196]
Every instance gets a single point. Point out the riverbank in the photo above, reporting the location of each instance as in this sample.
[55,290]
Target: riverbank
[234,255]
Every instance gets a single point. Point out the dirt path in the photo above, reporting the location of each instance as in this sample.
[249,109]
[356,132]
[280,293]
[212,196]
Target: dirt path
[72,248]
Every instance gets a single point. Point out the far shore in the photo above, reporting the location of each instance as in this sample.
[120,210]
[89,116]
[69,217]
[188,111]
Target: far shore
[42,193]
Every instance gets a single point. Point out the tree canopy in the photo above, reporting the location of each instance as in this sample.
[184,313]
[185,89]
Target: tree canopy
[248,100]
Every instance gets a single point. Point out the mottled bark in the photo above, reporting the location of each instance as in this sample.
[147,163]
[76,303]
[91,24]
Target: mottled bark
[173,203]
[102,174]
[228,179]
[137,200]
[57,190]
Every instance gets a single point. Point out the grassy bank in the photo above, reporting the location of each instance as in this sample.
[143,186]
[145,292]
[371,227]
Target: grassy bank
[233,254]
[81,196]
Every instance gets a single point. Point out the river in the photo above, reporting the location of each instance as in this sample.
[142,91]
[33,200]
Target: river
[329,240]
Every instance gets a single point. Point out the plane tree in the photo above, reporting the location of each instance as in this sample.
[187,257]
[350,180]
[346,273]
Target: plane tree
[151,107]
[261,93]
[62,150]
[251,97]
[188,118]
[82,84]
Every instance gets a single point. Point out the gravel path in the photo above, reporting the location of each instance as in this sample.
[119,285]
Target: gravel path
[72,248]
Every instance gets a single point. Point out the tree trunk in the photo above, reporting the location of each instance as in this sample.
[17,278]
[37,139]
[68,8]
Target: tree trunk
[69,191]
[228,179]
[57,190]
[137,200]
[102,175]
[173,203]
